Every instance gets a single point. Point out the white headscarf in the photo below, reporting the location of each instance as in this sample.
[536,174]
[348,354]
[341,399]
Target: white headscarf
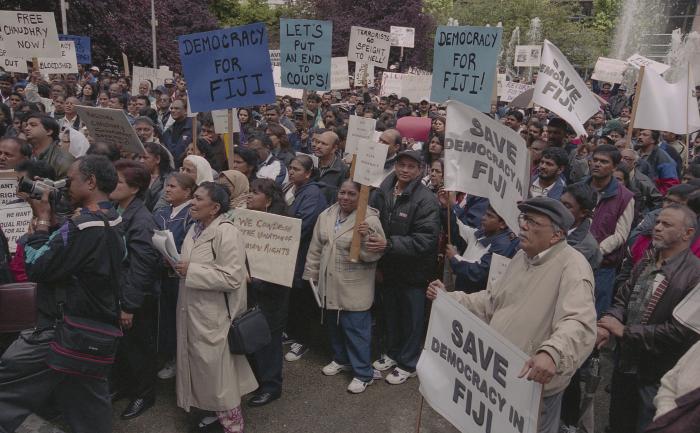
[204,171]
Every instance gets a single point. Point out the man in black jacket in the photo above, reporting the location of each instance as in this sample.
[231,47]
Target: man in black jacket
[73,268]
[410,215]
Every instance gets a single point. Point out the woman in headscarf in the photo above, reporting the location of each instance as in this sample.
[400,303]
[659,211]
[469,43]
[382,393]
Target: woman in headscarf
[198,169]
[238,187]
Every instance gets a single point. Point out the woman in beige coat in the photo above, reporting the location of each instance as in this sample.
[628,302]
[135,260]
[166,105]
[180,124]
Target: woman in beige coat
[346,289]
[212,291]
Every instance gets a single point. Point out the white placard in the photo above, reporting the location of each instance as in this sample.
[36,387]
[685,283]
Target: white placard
[275,57]
[111,126]
[284,91]
[527,55]
[155,76]
[271,244]
[418,71]
[469,374]
[67,63]
[8,186]
[609,70]
[511,90]
[11,64]
[220,118]
[359,128]
[369,162]
[14,220]
[340,79]
[500,80]
[29,34]
[414,87]
[369,46]
[364,75]
[637,60]
[402,36]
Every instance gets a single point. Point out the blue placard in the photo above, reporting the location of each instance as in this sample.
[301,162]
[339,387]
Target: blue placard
[464,65]
[83,47]
[227,68]
[305,53]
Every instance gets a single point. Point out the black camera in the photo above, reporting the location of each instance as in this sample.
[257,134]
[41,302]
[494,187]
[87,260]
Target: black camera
[58,197]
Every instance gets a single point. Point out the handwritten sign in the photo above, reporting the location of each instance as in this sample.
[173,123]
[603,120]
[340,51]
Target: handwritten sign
[224,68]
[527,55]
[359,128]
[271,244]
[111,126]
[305,53]
[511,90]
[464,65]
[29,34]
[14,220]
[369,162]
[11,64]
[83,47]
[275,57]
[364,74]
[402,36]
[340,79]
[67,63]
[8,186]
[414,87]
[220,118]
[155,76]
[638,61]
[369,46]
[609,70]
[281,90]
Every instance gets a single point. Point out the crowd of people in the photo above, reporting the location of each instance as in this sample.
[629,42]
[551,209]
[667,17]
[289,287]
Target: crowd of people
[608,245]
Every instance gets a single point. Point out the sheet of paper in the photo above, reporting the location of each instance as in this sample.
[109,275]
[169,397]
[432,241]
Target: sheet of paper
[499,264]
[314,290]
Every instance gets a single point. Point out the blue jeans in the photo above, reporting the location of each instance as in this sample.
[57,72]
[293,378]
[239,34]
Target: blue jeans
[351,336]
[604,285]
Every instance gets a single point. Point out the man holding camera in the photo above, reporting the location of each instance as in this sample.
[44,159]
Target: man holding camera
[76,268]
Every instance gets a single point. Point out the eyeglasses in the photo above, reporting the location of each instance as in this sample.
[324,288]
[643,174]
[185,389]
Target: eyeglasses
[526,220]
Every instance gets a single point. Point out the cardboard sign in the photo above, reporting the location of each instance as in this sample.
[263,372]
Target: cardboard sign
[29,34]
[511,90]
[305,53]
[609,70]
[464,65]
[359,128]
[83,47]
[638,61]
[271,244]
[155,76]
[220,118]
[275,57]
[111,126]
[560,89]
[8,186]
[403,36]
[11,64]
[67,63]
[527,55]
[369,46]
[340,78]
[414,87]
[281,90]
[14,220]
[418,71]
[369,162]
[224,68]
[364,75]
[469,374]
[486,158]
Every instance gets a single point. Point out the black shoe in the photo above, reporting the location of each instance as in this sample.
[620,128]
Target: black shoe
[138,406]
[262,399]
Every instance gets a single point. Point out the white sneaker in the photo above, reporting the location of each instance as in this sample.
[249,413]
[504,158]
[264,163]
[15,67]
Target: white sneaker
[296,351]
[384,363]
[376,374]
[168,371]
[399,376]
[334,368]
[357,386]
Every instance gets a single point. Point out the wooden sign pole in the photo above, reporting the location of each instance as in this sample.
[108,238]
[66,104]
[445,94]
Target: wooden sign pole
[230,139]
[195,148]
[637,92]
[35,64]
[362,204]
[686,152]
[352,167]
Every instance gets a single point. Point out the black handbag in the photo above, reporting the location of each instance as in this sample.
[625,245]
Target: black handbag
[249,332]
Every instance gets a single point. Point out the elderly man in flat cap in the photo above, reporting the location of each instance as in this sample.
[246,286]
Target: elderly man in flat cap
[544,304]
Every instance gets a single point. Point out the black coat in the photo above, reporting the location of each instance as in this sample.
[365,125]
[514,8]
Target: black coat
[273,301]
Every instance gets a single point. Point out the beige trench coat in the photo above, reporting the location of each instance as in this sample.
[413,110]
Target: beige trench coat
[209,377]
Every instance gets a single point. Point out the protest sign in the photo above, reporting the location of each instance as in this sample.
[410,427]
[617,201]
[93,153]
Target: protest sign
[14,220]
[67,63]
[29,34]
[340,78]
[369,162]
[284,91]
[8,186]
[486,158]
[224,68]
[359,128]
[369,46]
[220,118]
[364,75]
[414,87]
[305,53]
[271,244]
[275,57]
[527,55]
[609,70]
[83,47]
[638,61]
[418,71]
[500,80]
[155,76]
[11,64]
[469,374]
[111,126]
[402,36]
[560,89]
[511,90]
[464,65]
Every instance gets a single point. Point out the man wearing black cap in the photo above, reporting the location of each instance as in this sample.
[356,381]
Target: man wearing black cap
[545,306]
[411,221]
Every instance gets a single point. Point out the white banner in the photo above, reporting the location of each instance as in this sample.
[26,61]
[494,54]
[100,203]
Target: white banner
[271,244]
[609,70]
[469,374]
[527,55]
[486,158]
[637,60]
[369,46]
[29,34]
[340,77]
[402,36]
[369,163]
[414,87]
[284,91]
[364,75]
[511,90]
[111,126]
[155,76]
[275,57]
[67,63]
[560,89]
[14,220]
